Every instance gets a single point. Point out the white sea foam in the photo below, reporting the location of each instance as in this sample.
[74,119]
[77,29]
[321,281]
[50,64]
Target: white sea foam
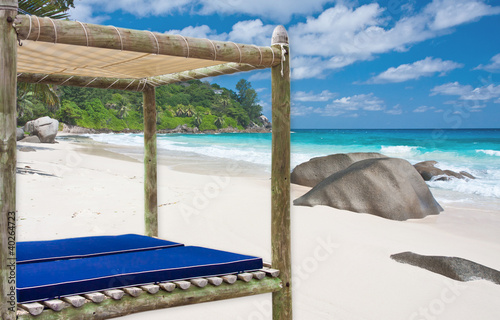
[489,152]
[405,152]
[486,187]
[257,150]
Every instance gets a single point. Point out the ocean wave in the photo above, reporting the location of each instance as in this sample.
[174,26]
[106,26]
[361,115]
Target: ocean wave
[481,187]
[489,152]
[399,151]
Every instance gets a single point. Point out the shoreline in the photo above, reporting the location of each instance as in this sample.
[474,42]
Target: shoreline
[341,260]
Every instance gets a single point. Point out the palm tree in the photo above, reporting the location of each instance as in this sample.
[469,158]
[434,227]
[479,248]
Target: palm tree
[197,119]
[123,112]
[181,111]
[189,111]
[219,122]
[55,9]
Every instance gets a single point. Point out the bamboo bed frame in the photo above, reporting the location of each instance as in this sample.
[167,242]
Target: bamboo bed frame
[42,50]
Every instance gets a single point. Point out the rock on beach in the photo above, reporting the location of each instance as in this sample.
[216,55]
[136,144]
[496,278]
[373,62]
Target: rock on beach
[452,267]
[387,187]
[429,171]
[44,128]
[314,171]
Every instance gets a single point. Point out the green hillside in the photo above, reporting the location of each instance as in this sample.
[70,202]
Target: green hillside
[194,103]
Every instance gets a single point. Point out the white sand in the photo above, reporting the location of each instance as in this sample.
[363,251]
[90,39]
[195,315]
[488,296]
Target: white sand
[342,268]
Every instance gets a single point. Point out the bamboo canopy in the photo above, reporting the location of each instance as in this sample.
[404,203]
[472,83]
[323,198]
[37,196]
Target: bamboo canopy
[43,50]
[74,49]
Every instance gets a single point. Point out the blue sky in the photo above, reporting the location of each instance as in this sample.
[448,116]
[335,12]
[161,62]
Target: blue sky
[355,64]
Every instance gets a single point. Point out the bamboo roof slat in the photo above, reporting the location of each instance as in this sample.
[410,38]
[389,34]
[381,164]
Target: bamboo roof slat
[133,84]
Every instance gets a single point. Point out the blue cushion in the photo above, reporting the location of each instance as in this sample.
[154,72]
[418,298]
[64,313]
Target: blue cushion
[38,251]
[53,279]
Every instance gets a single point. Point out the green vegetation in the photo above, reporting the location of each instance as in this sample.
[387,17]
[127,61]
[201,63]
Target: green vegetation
[193,103]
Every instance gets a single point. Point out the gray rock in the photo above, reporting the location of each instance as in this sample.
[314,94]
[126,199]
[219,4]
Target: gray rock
[29,127]
[265,122]
[314,171]
[428,171]
[19,134]
[387,187]
[31,139]
[27,149]
[452,267]
[46,129]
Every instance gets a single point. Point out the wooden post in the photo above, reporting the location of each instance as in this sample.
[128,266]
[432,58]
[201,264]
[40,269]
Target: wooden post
[280,177]
[150,169]
[8,82]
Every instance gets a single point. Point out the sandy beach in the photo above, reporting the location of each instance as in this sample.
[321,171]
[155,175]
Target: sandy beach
[341,259]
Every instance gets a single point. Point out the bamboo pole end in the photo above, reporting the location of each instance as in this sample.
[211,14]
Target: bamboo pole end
[280,36]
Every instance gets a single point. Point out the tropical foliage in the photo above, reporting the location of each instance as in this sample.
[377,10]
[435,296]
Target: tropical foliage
[30,97]
[193,103]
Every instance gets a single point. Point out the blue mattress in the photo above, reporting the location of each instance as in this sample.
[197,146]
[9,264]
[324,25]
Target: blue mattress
[39,251]
[53,279]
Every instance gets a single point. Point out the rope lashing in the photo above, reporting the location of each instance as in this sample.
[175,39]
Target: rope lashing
[237,47]
[85,30]
[55,30]
[187,45]
[129,84]
[39,28]
[260,52]
[157,44]
[145,83]
[66,80]
[113,83]
[29,31]
[215,50]
[42,78]
[272,62]
[90,82]
[119,35]
[283,57]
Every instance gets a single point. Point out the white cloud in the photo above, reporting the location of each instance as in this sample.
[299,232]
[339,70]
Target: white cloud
[83,12]
[361,102]
[276,10]
[450,13]
[328,40]
[203,31]
[396,110]
[451,89]
[260,76]
[300,110]
[85,9]
[494,66]
[325,95]
[307,67]
[467,92]
[422,68]
[423,109]
[342,35]
[251,31]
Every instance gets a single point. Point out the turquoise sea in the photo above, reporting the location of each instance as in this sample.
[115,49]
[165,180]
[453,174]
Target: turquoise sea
[476,151]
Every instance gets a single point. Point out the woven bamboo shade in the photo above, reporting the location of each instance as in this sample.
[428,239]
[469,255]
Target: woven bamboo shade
[56,48]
